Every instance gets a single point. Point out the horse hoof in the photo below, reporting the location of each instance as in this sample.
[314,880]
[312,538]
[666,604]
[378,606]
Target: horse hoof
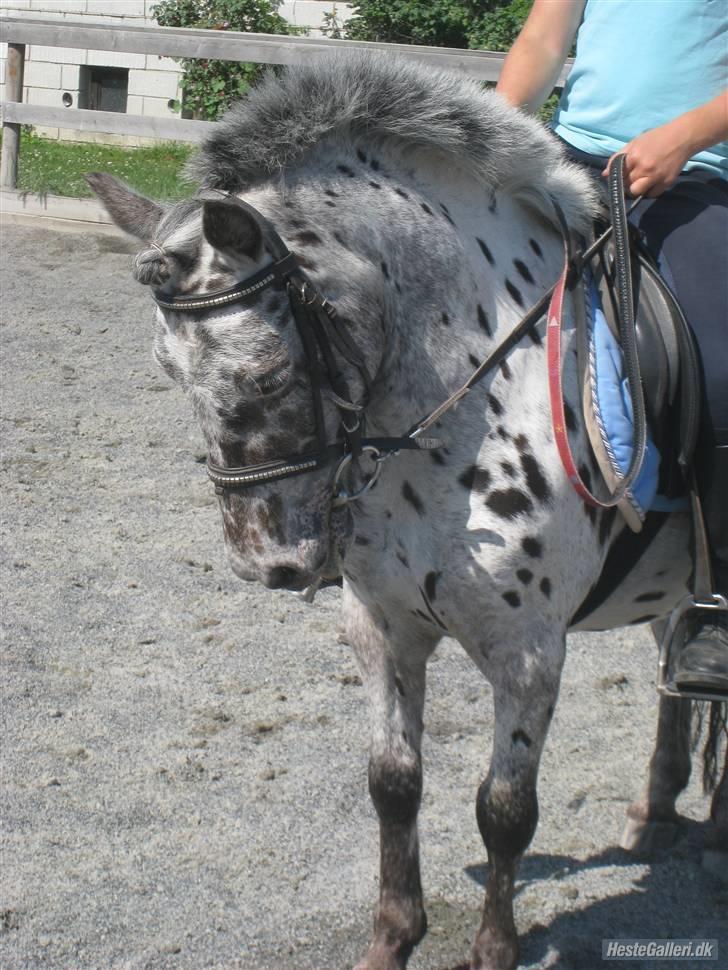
[491,953]
[715,861]
[380,958]
[647,837]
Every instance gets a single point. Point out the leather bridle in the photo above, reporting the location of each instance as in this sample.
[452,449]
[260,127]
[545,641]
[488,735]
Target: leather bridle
[322,337]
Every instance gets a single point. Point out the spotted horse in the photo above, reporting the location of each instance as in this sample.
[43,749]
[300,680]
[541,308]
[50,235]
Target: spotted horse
[365,233]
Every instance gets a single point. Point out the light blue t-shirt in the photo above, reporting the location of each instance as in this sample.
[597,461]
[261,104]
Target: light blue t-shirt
[640,64]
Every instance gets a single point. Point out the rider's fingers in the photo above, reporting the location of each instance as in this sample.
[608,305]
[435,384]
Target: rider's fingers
[645,185]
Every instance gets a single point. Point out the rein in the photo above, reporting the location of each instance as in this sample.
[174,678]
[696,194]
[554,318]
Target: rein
[321,334]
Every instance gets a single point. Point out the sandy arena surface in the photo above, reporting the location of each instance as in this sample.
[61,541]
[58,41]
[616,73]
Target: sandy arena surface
[184,755]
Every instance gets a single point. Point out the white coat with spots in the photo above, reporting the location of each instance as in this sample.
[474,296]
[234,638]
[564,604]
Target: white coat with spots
[420,205]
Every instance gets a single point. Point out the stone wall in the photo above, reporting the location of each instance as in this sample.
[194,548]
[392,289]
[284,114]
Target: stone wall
[153,82]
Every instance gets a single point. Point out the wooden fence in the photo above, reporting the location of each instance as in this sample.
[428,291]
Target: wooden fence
[174,42]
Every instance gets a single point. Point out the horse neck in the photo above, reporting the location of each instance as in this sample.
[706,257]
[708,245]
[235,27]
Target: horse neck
[456,267]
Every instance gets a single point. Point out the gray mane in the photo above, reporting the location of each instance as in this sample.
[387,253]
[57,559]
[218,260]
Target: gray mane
[374,97]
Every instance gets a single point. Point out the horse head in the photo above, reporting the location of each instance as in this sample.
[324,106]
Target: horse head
[261,396]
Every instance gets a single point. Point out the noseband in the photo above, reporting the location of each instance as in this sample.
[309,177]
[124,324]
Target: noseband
[322,337]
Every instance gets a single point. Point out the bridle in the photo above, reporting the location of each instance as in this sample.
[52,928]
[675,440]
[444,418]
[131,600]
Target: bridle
[322,336]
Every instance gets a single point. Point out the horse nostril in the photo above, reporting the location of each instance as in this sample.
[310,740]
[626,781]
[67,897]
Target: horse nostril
[283,577]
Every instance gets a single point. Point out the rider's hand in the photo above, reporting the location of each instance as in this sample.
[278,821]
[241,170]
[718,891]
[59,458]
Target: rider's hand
[655,159]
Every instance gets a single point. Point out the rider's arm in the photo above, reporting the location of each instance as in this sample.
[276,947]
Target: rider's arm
[656,158]
[534,63]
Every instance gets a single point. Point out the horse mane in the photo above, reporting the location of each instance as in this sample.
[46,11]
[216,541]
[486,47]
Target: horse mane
[363,96]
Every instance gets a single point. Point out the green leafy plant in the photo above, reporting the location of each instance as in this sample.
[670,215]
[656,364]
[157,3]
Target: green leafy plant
[490,25]
[333,25]
[435,23]
[210,86]
[496,29]
[484,24]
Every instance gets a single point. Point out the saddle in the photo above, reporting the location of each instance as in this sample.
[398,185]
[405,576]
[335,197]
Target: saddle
[668,364]
[665,389]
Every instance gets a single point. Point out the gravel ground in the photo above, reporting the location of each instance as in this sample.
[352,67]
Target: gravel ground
[184,756]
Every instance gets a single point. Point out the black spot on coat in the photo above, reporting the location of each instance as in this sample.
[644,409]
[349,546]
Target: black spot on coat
[483,320]
[431,584]
[519,735]
[514,293]
[536,248]
[495,405]
[411,496]
[446,213]
[525,575]
[535,478]
[475,479]
[569,416]
[512,598]
[509,503]
[309,238]
[523,271]
[485,251]
[545,587]
[532,547]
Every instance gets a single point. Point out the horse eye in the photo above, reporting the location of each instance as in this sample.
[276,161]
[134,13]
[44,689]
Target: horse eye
[270,383]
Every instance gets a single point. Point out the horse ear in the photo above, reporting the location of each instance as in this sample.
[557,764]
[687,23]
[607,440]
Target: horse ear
[231,230]
[130,211]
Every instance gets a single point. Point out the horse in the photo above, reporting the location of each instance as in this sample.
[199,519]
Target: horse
[365,231]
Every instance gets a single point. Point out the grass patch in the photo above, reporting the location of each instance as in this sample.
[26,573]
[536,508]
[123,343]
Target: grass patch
[57,168]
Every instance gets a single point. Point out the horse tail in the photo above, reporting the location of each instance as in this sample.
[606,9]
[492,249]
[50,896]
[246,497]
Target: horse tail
[710,718]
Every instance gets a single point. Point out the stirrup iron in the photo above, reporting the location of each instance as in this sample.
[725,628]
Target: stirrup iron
[671,647]
[702,597]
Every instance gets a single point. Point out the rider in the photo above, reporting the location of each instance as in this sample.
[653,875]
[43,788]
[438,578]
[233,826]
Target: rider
[650,81]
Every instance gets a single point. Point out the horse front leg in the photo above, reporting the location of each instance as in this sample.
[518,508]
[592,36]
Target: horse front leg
[393,672]
[525,687]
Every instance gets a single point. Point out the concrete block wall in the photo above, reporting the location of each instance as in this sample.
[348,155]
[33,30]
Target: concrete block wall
[154,82]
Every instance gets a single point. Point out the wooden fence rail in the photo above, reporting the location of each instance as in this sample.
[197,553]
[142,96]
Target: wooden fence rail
[175,42]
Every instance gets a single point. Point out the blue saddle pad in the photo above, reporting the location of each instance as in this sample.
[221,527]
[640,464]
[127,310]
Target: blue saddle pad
[613,413]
